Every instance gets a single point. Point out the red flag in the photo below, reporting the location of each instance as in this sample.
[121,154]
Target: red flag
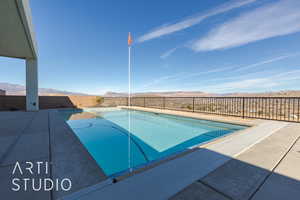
[129,39]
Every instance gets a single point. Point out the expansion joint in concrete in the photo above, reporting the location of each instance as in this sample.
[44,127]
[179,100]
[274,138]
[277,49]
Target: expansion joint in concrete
[272,171]
[50,154]
[215,190]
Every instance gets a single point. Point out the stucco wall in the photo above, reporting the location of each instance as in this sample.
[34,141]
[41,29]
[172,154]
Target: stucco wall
[48,102]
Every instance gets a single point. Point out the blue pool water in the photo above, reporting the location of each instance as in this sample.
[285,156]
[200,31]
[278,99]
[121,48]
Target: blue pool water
[105,134]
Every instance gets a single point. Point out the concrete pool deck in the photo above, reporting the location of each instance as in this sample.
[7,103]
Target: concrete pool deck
[43,136]
[268,170]
[245,165]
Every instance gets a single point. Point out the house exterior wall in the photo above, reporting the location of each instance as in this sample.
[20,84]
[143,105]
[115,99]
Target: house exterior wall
[2,92]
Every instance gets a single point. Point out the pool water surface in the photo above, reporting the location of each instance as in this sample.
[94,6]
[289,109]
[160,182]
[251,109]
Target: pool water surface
[109,137]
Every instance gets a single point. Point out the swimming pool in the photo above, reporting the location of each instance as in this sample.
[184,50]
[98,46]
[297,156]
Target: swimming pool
[105,134]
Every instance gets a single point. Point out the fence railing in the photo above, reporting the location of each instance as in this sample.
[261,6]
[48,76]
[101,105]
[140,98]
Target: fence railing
[274,108]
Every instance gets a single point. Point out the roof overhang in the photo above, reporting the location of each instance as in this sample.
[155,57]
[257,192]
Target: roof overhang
[17,38]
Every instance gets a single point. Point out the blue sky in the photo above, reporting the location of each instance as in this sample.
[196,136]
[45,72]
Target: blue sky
[212,46]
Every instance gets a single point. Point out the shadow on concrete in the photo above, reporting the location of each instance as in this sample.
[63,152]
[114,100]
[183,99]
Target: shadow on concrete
[205,175]
[15,103]
[242,180]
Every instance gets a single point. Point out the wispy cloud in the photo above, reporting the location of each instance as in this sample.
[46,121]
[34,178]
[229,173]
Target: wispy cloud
[168,53]
[228,78]
[160,80]
[265,83]
[247,84]
[250,81]
[276,19]
[185,75]
[211,71]
[245,67]
[180,77]
[288,76]
[268,61]
[193,20]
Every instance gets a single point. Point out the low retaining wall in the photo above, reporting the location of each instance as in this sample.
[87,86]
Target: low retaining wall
[48,102]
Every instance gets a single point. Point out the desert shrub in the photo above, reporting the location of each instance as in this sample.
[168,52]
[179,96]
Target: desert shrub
[99,100]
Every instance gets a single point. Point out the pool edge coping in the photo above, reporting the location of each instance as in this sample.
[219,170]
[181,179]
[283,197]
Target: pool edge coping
[202,116]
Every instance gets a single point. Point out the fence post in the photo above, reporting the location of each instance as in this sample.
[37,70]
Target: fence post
[164,102]
[243,107]
[144,101]
[298,110]
[193,104]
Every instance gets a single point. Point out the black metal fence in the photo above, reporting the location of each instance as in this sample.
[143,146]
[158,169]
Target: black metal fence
[274,108]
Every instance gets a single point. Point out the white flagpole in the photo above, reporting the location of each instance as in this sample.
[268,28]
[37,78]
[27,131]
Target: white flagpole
[129,104]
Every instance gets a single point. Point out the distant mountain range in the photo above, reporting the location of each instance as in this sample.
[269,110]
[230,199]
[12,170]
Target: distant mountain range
[15,89]
[287,93]
[161,94]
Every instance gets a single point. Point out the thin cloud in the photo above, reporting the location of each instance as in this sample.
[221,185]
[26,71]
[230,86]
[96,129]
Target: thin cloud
[187,75]
[245,76]
[289,75]
[256,83]
[160,80]
[248,83]
[180,76]
[168,53]
[191,21]
[216,70]
[277,19]
[272,60]
[183,76]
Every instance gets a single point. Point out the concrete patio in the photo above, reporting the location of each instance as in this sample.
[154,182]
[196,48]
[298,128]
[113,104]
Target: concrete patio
[268,170]
[43,136]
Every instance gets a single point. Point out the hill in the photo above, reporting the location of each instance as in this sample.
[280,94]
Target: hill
[16,89]
[287,93]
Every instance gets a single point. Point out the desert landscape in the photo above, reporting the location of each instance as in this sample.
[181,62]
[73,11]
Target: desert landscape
[277,105]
